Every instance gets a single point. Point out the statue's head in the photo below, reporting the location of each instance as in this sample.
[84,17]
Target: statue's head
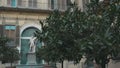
[32,36]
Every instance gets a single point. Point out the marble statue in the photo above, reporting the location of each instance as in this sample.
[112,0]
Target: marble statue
[32,44]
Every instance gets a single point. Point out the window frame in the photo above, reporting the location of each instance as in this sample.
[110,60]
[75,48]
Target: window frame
[19,3]
[58,4]
[32,3]
[12,3]
[8,32]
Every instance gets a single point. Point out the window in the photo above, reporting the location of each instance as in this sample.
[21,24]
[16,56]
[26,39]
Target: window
[57,4]
[12,3]
[68,2]
[32,3]
[8,2]
[52,4]
[19,2]
[11,32]
[62,4]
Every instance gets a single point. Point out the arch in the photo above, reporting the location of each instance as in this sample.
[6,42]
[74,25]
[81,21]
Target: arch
[22,29]
[25,26]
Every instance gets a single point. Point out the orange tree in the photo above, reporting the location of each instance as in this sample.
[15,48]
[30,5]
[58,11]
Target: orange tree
[105,26]
[60,34]
[94,33]
[7,53]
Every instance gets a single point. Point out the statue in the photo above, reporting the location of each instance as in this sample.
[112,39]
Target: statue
[32,44]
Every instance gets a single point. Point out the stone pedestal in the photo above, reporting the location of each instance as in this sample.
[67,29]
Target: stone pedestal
[30,66]
[31,62]
[31,58]
[2,65]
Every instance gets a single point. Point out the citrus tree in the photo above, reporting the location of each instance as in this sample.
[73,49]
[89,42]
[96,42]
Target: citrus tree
[60,34]
[103,41]
[7,53]
[94,33]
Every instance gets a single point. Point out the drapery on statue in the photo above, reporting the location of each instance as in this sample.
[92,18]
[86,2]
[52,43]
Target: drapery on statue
[32,44]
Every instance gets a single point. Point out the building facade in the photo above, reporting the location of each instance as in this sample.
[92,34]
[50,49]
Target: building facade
[14,14]
[20,18]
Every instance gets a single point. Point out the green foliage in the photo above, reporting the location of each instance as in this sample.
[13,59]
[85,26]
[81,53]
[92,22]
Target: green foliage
[7,53]
[3,42]
[94,33]
[105,36]
[11,55]
[60,34]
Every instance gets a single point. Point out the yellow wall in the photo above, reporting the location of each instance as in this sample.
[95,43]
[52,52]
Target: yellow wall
[21,18]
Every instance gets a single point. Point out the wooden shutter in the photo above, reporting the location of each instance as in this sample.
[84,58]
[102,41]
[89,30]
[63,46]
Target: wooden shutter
[52,4]
[9,2]
[13,3]
[1,30]
[17,35]
[30,3]
[59,4]
[63,4]
[19,2]
[35,3]
[49,4]
[68,2]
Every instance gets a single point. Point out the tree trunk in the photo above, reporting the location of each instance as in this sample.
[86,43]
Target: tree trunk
[48,63]
[97,65]
[55,66]
[11,64]
[103,63]
[62,64]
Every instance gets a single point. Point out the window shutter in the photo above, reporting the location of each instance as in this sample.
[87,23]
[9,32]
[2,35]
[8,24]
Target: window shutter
[34,3]
[13,3]
[68,2]
[9,2]
[1,30]
[17,35]
[30,3]
[19,2]
[52,4]
[63,4]
[49,4]
[59,4]
[55,4]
